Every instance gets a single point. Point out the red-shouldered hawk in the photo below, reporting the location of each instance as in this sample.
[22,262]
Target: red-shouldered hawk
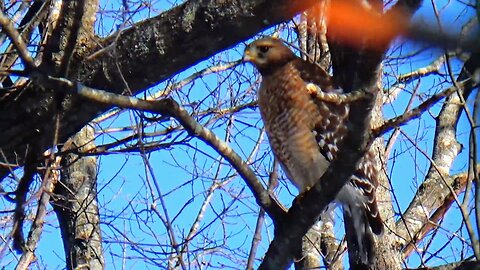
[304,133]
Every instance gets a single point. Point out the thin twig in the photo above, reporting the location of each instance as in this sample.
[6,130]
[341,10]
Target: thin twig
[417,111]
[17,41]
[165,92]
[169,107]
[37,226]
[396,132]
[257,236]
[463,210]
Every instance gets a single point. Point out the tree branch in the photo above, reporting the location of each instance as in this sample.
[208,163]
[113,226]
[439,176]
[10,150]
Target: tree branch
[49,179]
[17,41]
[181,37]
[306,208]
[431,195]
[459,183]
[419,110]
[169,107]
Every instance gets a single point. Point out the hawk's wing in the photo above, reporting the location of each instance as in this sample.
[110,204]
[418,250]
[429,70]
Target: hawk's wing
[305,133]
[312,73]
[331,129]
[358,195]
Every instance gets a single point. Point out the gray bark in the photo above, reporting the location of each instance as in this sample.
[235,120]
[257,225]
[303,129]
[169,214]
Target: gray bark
[75,204]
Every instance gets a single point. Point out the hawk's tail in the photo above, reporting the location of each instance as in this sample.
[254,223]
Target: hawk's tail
[361,244]
[362,220]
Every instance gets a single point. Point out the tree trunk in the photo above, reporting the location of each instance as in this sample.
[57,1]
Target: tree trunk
[76,206]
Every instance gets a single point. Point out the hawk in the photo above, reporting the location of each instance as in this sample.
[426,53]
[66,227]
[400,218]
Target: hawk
[304,133]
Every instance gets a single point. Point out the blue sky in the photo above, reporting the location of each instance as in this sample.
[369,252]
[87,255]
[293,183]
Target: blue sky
[123,180]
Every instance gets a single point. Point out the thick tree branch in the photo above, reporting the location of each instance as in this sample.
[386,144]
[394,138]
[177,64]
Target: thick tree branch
[160,46]
[459,183]
[169,107]
[74,201]
[433,191]
[72,34]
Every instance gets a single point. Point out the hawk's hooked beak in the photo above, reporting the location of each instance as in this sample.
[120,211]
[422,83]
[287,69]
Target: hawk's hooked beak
[248,56]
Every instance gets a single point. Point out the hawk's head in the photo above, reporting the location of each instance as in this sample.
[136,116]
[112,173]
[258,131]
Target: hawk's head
[268,53]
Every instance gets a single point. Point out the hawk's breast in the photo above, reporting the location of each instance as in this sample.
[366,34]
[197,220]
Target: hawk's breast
[290,116]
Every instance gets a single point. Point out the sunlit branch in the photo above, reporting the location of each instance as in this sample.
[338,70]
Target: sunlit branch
[169,107]
[168,90]
[472,159]
[459,185]
[402,80]
[417,111]
[426,70]
[446,149]
[450,197]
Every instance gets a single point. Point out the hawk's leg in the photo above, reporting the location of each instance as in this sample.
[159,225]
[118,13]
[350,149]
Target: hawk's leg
[335,97]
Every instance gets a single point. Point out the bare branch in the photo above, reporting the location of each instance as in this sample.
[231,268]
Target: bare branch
[177,36]
[431,194]
[21,196]
[169,107]
[17,41]
[417,111]
[50,178]
[257,236]
[431,68]
[474,147]
[459,183]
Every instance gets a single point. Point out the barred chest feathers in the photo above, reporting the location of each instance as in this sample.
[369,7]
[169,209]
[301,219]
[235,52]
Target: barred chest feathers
[290,116]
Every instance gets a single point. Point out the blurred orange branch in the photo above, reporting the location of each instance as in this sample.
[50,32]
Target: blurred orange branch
[352,22]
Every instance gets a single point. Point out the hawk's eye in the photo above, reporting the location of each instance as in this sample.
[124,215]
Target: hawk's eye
[263,49]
